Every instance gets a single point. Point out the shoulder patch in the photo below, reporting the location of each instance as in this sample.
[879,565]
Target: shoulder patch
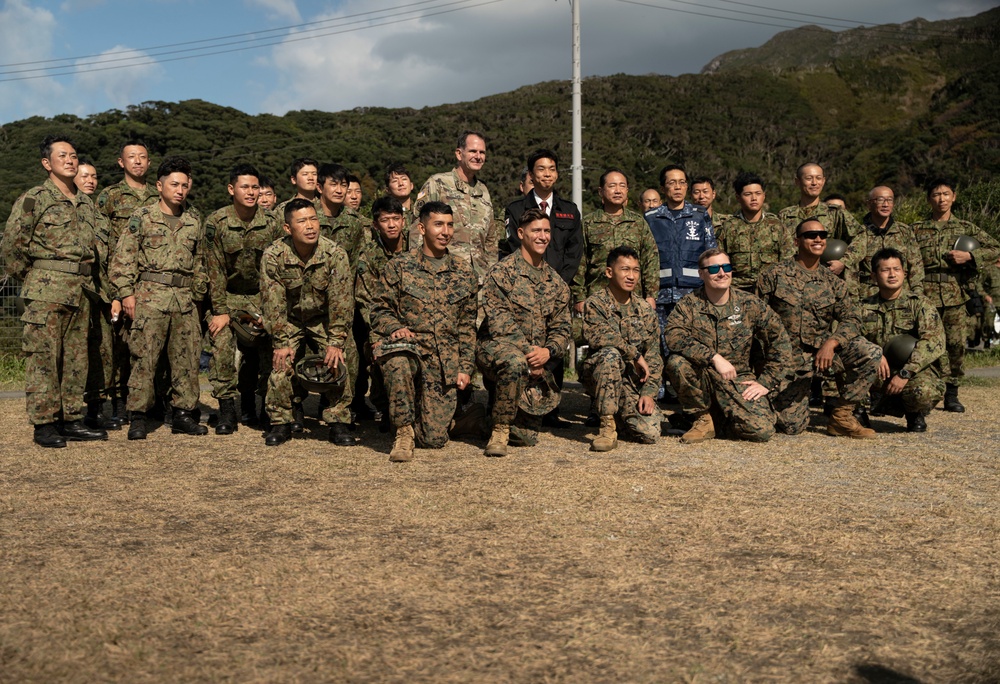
[133,224]
[28,205]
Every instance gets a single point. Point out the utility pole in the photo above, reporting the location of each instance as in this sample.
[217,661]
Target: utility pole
[577,111]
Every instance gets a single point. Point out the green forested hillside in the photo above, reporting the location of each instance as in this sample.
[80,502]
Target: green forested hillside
[892,105]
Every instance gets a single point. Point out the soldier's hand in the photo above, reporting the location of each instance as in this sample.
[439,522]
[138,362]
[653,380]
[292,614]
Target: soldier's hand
[334,357]
[217,324]
[128,306]
[895,385]
[463,381]
[281,360]
[537,357]
[824,357]
[884,373]
[401,334]
[754,390]
[642,368]
[646,406]
[958,257]
[116,310]
[836,266]
[725,369]
[578,307]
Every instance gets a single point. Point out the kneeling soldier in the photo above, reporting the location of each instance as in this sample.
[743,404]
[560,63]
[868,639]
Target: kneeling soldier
[710,333]
[914,384]
[624,339]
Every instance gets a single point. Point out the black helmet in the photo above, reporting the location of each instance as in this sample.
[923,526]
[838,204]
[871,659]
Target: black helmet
[966,243]
[897,350]
[315,376]
[835,250]
[247,329]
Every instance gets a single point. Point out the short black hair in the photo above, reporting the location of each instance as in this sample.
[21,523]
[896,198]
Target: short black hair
[85,161]
[173,165]
[745,178]
[835,196]
[935,183]
[604,176]
[295,205]
[398,168]
[802,167]
[621,252]
[298,163]
[243,170]
[434,208]
[132,142]
[386,205]
[884,254]
[45,148]
[811,219]
[351,178]
[672,167]
[541,154]
[702,179]
[265,181]
[334,172]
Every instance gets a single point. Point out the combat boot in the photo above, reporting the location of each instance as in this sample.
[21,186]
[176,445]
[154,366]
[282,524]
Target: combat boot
[248,410]
[227,424]
[118,411]
[278,435]
[498,440]
[48,436]
[951,402]
[76,431]
[184,422]
[702,430]
[95,418]
[915,422]
[137,429]
[298,418]
[402,448]
[844,424]
[607,439]
[340,434]
[861,415]
[470,421]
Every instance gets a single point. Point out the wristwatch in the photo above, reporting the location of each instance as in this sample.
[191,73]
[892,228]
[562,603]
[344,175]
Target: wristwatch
[905,374]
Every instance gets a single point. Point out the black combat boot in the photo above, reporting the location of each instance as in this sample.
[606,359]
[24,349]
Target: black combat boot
[915,422]
[95,417]
[298,418]
[340,434]
[137,428]
[118,412]
[227,424]
[76,431]
[279,434]
[951,402]
[248,410]
[184,422]
[47,435]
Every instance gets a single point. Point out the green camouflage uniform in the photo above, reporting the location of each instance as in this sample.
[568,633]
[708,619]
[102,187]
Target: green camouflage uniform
[164,268]
[348,231]
[986,285]
[697,330]
[839,224]
[524,307]
[49,244]
[279,210]
[752,247]
[944,282]
[602,232]
[307,307]
[809,304]
[908,314]
[475,236]
[232,263]
[618,334]
[436,301]
[858,259]
[101,332]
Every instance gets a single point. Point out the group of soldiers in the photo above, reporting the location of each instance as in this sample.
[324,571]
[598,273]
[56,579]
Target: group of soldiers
[740,315]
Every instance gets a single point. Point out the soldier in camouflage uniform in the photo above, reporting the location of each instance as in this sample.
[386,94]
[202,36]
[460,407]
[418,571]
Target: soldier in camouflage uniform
[425,302]
[525,331]
[117,203]
[624,339]
[399,184]
[946,271]
[158,273]
[917,385]
[304,177]
[824,324]
[703,194]
[710,333]
[390,241]
[237,236]
[49,244]
[840,224]
[307,297]
[881,230]
[753,238]
[475,224]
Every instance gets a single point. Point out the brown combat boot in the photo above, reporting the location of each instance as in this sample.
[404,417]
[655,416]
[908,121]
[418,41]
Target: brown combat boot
[498,440]
[844,424]
[402,448]
[607,439]
[702,430]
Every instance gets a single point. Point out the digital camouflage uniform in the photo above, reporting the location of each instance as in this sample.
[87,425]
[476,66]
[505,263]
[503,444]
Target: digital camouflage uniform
[697,330]
[164,268]
[909,314]
[232,263]
[49,245]
[840,224]
[858,259]
[307,307]
[436,301]
[602,232]
[524,307]
[944,282]
[809,303]
[101,331]
[618,334]
[752,247]
[475,237]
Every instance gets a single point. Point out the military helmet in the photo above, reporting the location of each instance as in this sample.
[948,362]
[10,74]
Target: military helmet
[385,347]
[897,350]
[540,395]
[247,329]
[315,376]
[835,250]
[966,243]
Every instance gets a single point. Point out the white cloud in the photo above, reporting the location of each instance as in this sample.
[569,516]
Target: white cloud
[279,9]
[121,86]
[26,36]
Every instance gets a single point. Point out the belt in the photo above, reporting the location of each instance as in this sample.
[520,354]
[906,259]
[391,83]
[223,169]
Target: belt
[243,294]
[74,267]
[939,278]
[167,279]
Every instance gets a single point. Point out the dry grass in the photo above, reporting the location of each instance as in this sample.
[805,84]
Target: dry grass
[809,559]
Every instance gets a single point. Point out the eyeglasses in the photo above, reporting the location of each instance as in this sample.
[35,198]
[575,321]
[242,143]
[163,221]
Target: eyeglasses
[675,184]
[814,235]
[715,268]
[883,200]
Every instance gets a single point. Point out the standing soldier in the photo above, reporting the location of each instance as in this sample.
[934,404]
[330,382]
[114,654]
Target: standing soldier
[916,381]
[158,273]
[753,238]
[303,175]
[237,236]
[711,332]
[840,224]
[525,331]
[824,327]
[703,194]
[624,339]
[49,244]
[947,267]
[267,199]
[307,296]
[399,185]
[424,334]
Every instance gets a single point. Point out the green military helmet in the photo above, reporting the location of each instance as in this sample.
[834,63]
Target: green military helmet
[385,347]
[897,350]
[248,329]
[835,250]
[315,376]
[540,395]
[966,243]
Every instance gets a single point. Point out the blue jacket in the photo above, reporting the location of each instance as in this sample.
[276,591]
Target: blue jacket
[681,236]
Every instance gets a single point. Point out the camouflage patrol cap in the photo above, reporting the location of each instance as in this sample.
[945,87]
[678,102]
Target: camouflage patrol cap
[966,243]
[247,329]
[540,395]
[315,376]
[386,347]
[897,350]
[835,250]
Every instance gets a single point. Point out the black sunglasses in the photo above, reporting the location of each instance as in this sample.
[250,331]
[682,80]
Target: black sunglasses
[715,268]
[814,235]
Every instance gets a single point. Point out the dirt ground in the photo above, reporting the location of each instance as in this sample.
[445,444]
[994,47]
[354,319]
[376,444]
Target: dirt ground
[807,559]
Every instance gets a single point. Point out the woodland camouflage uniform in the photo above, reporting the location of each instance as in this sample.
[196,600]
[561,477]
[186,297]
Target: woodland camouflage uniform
[602,232]
[101,332]
[858,259]
[346,230]
[752,247]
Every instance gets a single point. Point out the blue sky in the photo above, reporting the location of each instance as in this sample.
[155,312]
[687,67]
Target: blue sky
[351,53]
